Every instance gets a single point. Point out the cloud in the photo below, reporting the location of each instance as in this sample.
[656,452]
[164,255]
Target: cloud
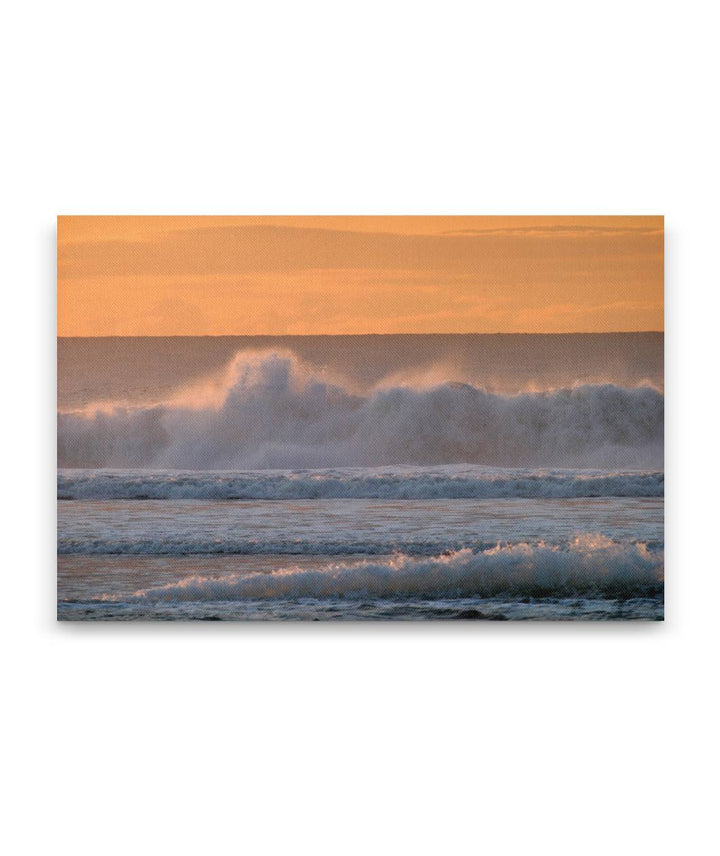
[241,276]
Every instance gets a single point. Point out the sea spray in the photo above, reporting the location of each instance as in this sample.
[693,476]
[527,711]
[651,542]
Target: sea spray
[589,565]
[271,411]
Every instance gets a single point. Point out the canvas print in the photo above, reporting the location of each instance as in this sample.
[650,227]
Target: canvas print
[360,418]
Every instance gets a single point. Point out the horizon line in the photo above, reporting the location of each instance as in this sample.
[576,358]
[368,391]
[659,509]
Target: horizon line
[347,335]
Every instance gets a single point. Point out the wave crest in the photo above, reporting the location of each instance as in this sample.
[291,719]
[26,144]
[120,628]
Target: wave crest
[589,564]
[450,482]
[271,411]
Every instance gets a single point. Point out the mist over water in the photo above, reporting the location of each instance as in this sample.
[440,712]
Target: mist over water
[142,370]
[272,409]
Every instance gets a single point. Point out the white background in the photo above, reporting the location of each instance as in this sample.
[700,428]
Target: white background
[498,738]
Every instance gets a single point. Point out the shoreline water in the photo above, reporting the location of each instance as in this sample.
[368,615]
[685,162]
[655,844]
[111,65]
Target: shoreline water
[489,479]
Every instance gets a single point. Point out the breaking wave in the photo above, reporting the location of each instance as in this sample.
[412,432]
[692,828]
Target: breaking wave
[588,565]
[379,483]
[270,411]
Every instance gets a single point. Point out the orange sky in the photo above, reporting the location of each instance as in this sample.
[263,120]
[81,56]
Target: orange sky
[155,276]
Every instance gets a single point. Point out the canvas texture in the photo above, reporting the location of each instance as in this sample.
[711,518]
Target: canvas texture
[360,418]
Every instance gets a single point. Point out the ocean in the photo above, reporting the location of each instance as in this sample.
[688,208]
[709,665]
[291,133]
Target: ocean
[361,477]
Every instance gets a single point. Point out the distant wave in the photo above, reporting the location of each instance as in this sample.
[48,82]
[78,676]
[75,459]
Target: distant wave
[585,566]
[270,411]
[379,483]
[188,545]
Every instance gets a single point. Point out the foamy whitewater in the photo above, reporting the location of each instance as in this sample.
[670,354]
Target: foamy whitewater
[361,477]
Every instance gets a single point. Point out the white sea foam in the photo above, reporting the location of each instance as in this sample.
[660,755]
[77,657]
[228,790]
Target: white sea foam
[589,564]
[270,411]
[450,482]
